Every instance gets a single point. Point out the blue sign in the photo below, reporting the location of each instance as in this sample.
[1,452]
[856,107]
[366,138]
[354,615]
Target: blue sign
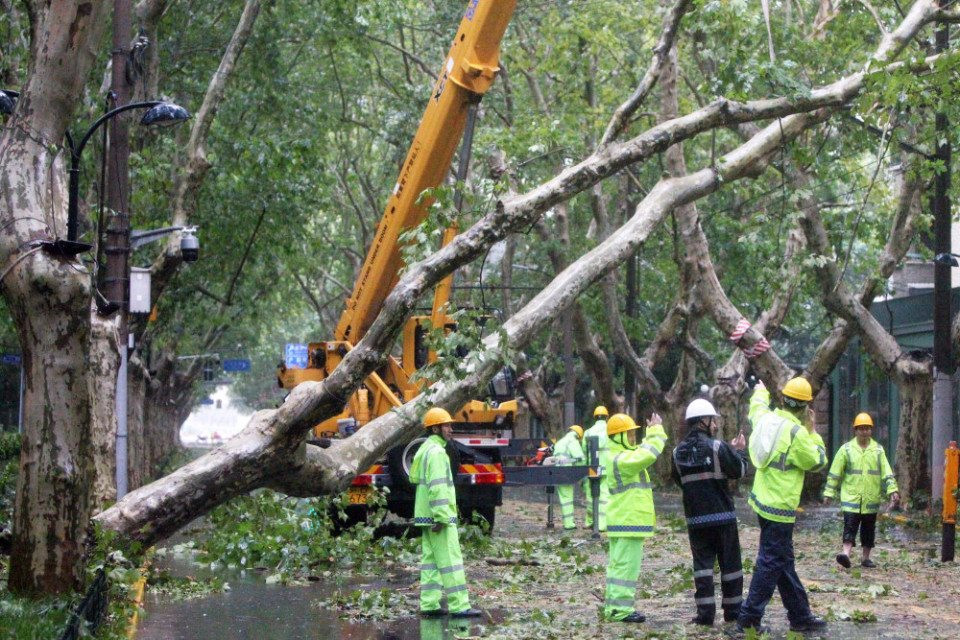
[236,365]
[207,400]
[295,356]
[10,358]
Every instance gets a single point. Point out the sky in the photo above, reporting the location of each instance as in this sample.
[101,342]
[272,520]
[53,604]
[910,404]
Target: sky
[208,420]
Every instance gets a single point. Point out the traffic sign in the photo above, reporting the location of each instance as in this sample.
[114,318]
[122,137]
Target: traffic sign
[295,356]
[10,358]
[236,365]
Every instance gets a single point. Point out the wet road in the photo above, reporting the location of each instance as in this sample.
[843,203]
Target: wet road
[253,609]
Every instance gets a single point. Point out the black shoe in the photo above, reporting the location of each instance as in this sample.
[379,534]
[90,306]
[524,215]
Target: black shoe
[843,560]
[432,613]
[760,629]
[467,613]
[636,616]
[813,623]
[706,622]
[868,563]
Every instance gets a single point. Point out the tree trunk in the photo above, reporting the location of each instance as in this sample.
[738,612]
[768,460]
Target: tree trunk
[913,439]
[102,377]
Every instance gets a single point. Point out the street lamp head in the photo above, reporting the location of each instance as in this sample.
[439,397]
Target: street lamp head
[946,259]
[189,245]
[164,114]
[8,101]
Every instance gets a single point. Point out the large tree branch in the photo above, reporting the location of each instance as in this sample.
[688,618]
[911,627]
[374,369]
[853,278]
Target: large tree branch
[621,117]
[192,167]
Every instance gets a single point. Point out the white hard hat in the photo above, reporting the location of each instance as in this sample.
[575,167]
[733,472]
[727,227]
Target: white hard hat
[700,408]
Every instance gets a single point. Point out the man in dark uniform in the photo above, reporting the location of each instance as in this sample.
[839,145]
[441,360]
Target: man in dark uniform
[701,466]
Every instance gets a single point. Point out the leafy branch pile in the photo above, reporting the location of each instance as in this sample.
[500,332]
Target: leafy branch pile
[295,539]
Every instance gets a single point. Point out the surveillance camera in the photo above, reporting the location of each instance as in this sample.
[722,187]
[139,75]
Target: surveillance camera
[189,246]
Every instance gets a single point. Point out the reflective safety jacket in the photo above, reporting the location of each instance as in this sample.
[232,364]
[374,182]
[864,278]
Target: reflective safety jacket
[567,451]
[630,512]
[779,480]
[436,499]
[863,475]
[599,429]
[701,466]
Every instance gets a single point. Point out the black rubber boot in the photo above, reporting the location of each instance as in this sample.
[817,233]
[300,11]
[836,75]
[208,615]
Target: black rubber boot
[636,616]
[843,560]
[467,613]
[813,623]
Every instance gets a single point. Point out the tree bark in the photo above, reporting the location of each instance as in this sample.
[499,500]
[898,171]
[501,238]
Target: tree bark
[49,299]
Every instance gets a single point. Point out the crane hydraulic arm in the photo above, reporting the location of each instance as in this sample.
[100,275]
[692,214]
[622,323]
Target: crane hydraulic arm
[467,73]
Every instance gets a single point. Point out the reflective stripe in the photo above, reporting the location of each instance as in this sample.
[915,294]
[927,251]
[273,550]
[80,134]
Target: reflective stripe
[732,600]
[888,478]
[431,586]
[439,503]
[428,567]
[727,577]
[873,506]
[774,511]
[459,587]
[566,503]
[852,505]
[456,567]
[855,472]
[629,528]
[782,464]
[723,516]
[652,449]
[437,481]
[632,485]
[703,573]
[620,582]
[823,457]
[706,600]
[705,475]
[833,475]
[420,520]
[620,602]
[453,520]
[873,472]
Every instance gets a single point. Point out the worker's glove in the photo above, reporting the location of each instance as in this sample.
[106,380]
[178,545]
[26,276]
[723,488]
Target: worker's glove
[437,527]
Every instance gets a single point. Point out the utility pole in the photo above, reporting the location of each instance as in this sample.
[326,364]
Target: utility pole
[569,377]
[117,284]
[943,364]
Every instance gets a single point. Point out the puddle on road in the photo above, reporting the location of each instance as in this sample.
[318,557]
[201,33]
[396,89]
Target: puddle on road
[254,609]
[272,612]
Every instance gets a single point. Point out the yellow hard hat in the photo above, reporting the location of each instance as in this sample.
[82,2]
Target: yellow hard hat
[578,430]
[799,389]
[436,416]
[863,420]
[600,411]
[620,422]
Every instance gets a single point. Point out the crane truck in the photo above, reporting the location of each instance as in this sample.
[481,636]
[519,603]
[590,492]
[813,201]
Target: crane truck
[483,428]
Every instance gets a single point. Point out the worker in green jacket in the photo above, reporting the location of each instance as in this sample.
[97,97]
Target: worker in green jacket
[862,472]
[568,452]
[630,513]
[435,512]
[599,431]
[783,446]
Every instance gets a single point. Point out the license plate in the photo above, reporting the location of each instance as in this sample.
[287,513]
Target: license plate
[358,495]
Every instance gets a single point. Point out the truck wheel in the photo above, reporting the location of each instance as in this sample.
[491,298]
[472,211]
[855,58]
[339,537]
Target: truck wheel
[399,460]
[487,512]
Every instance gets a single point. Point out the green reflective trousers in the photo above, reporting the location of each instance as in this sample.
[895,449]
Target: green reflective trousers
[601,508]
[623,571]
[441,570]
[565,498]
